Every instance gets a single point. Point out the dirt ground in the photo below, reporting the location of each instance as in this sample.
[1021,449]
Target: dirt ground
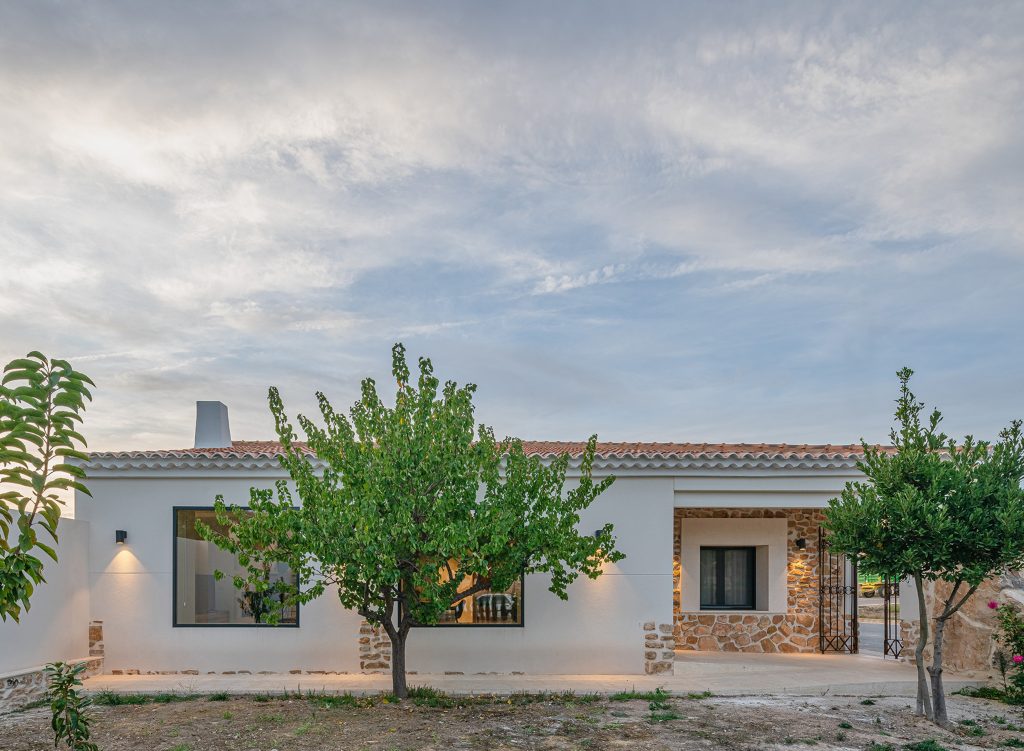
[265,723]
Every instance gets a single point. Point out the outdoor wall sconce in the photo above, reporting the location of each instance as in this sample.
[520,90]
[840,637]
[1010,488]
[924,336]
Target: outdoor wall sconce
[801,543]
[120,536]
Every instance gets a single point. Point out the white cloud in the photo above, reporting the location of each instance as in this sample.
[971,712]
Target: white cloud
[254,194]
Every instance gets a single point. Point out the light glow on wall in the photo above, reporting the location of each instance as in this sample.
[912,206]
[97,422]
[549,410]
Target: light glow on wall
[123,562]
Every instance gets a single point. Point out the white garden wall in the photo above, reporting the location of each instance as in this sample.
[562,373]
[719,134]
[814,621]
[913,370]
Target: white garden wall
[56,627]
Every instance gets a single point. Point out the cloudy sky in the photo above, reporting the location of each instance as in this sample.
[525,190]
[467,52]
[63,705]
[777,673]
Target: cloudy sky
[706,221]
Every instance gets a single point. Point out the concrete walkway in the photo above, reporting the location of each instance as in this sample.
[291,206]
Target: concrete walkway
[722,673]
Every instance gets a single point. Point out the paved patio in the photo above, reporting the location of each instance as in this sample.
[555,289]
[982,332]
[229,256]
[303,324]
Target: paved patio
[722,673]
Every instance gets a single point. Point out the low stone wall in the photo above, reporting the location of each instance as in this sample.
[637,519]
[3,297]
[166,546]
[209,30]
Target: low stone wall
[969,639]
[27,686]
[794,631]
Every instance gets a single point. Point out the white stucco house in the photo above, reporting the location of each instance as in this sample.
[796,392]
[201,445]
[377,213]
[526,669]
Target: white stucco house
[721,544]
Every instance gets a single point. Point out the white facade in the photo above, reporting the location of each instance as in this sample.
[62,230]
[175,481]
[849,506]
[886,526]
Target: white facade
[667,503]
[598,630]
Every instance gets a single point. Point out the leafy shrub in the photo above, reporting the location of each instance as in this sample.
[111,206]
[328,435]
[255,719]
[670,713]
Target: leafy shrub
[70,721]
[1011,638]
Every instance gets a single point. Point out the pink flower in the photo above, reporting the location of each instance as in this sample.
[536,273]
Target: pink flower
[1018,659]
[993,604]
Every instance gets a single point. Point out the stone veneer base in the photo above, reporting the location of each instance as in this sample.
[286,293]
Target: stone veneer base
[26,686]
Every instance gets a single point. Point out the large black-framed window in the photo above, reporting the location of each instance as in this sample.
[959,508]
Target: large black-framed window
[201,600]
[728,578]
[488,608]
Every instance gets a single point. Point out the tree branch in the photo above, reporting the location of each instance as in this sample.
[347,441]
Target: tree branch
[946,612]
[960,604]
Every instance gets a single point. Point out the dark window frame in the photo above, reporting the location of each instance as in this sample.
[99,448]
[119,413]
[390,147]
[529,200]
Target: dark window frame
[720,551]
[522,614]
[174,583]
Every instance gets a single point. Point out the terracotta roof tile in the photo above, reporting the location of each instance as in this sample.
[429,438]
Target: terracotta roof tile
[552,448]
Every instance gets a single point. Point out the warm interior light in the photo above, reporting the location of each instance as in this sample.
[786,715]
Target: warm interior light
[120,536]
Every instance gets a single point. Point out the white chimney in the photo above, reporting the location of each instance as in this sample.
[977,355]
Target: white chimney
[212,429]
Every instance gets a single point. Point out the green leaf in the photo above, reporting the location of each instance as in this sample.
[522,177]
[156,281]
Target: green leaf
[24,364]
[19,375]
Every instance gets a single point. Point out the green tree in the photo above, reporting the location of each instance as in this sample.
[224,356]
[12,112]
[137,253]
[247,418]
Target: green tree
[934,510]
[41,402]
[413,509]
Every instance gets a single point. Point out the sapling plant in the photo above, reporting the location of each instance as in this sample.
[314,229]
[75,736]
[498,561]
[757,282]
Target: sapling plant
[41,404]
[70,720]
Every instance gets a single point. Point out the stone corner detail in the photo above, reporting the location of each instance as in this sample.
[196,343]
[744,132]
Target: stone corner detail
[659,648]
[374,649]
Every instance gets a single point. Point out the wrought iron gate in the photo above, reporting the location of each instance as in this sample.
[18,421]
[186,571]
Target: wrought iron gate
[837,599]
[892,645]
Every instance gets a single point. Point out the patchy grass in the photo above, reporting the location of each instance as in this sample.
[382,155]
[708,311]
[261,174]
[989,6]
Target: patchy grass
[982,692]
[556,721]
[171,697]
[666,716]
[110,699]
[658,694]
[928,745]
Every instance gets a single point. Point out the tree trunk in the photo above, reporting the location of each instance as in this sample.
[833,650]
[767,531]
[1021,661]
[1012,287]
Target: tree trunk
[938,693]
[398,685]
[924,703]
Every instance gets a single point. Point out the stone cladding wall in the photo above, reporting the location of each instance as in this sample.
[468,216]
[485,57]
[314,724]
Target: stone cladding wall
[796,630]
[374,649]
[659,648]
[96,648]
[969,639]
